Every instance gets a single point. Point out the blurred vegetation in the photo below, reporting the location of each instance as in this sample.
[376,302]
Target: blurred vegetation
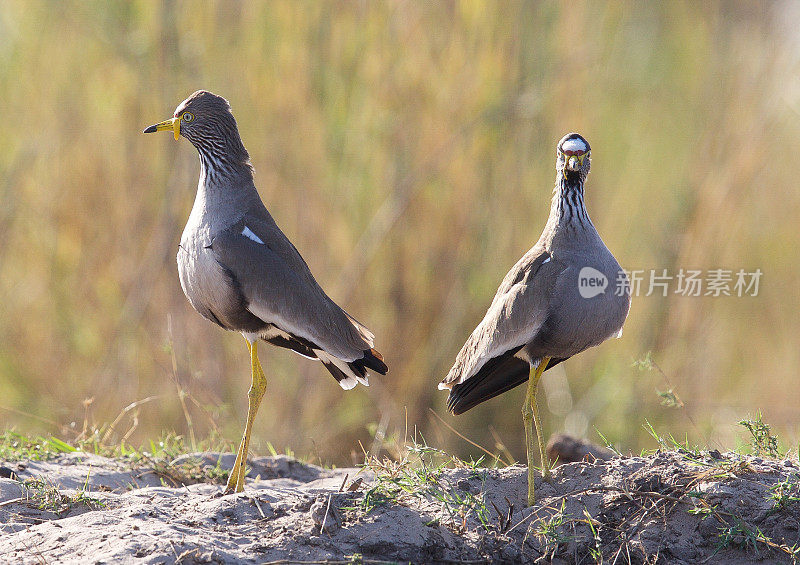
[407,149]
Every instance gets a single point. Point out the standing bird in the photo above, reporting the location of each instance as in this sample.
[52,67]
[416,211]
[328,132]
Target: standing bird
[553,304]
[241,272]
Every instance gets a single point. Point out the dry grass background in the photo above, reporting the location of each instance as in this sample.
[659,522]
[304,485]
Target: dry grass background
[407,148]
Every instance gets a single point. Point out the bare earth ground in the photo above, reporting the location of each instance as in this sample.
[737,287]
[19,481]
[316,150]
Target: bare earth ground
[671,507]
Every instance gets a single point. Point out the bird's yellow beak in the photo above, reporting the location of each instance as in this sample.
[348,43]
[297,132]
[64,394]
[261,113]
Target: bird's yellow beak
[574,162]
[173,124]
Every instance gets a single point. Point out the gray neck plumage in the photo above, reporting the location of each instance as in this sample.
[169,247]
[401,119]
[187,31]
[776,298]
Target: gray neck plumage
[567,210]
[225,189]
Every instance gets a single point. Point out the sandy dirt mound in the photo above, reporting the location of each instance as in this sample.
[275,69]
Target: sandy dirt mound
[673,507]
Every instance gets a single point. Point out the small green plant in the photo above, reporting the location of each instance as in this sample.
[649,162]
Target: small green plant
[550,531]
[15,446]
[762,442]
[46,496]
[418,474]
[607,443]
[670,443]
[739,534]
[43,495]
[704,511]
[734,531]
[595,550]
[785,492]
[669,397]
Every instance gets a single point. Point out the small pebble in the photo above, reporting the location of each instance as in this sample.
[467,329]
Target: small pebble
[325,515]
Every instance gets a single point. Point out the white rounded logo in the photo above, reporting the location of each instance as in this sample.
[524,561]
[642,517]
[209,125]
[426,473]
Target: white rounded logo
[591,282]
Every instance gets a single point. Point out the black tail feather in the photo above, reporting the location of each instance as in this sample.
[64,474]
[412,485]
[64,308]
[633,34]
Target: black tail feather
[372,360]
[497,375]
[337,373]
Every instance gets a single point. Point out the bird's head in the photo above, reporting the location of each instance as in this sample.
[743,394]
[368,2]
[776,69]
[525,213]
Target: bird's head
[202,114]
[574,156]
[206,120]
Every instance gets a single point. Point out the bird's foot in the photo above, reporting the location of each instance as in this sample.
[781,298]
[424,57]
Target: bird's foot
[238,471]
[230,489]
[233,485]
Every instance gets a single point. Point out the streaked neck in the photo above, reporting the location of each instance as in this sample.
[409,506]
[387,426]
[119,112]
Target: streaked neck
[222,164]
[567,210]
[225,189]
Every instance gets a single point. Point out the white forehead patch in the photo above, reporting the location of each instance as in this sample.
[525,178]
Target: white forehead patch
[181,107]
[574,144]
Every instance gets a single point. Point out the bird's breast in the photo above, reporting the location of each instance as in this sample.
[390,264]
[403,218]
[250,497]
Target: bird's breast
[204,281]
[589,306]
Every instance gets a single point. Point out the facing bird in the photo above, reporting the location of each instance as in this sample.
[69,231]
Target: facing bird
[241,272]
[566,294]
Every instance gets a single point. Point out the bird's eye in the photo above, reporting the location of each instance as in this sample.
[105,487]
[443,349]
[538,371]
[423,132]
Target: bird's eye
[187,117]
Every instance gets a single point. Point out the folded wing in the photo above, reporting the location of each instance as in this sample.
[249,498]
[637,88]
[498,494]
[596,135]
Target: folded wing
[278,288]
[493,359]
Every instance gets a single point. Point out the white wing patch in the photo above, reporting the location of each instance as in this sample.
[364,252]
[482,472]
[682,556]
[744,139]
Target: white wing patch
[248,233]
[546,261]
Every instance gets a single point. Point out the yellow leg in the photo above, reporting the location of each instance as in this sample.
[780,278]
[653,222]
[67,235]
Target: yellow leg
[257,389]
[234,475]
[530,417]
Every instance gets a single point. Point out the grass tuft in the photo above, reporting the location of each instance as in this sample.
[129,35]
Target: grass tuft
[46,496]
[418,474]
[762,442]
[15,446]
